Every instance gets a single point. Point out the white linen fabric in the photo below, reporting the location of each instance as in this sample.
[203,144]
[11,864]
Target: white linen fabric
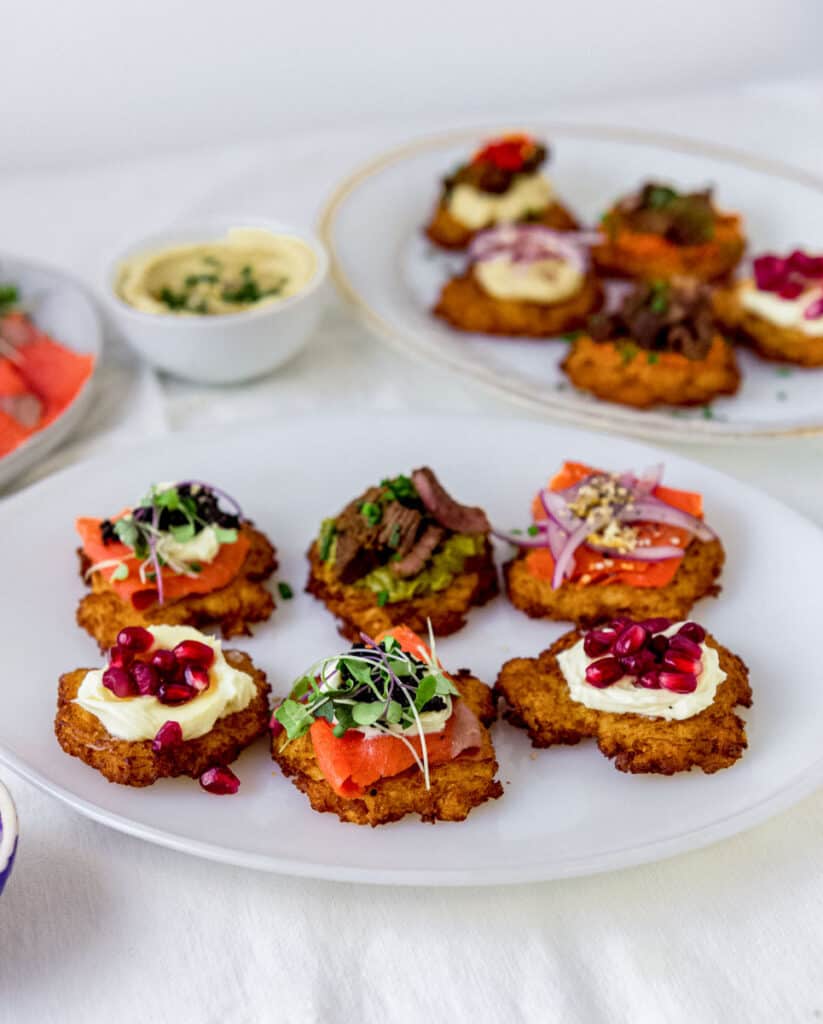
[97,926]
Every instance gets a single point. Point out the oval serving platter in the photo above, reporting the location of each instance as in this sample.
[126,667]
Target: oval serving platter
[392,274]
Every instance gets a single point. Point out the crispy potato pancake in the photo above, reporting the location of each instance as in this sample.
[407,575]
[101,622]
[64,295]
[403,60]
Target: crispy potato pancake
[465,305]
[358,610]
[628,255]
[602,369]
[129,763]
[449,233]
[245,600]
[781,344]
[588,604]
[538,701]
[456,787]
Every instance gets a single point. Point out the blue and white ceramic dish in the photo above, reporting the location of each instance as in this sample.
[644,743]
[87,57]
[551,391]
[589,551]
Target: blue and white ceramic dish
[8,835]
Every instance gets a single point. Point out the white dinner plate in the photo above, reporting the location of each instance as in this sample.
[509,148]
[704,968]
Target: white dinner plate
[63,308]
[386,267]
[565,811]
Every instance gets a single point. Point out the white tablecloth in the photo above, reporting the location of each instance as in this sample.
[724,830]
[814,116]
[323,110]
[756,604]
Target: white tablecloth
[96,926]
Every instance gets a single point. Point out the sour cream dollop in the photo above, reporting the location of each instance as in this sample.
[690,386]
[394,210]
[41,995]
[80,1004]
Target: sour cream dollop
[544,281]
[139,718]
[475,209]
[623,696]
[788,313]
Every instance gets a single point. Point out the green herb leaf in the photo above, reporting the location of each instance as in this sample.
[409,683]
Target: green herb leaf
[394,712]
[294,718]
[327,535]
[182,534]
[121,572]
[126,532]
[371,512]
[533,531]
[425,691]
[225,536]
[9,295]
[367,714]
[382,598]
[285,590]
[652,358]
[659,197]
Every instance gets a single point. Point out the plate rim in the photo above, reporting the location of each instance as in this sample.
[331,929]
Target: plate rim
[798,786]
[597,419]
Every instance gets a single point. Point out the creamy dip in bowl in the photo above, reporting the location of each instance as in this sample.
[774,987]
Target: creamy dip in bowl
[219,302]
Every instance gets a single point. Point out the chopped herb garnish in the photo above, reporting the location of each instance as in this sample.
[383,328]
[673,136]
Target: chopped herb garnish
[394,536]
[121,572]
[652,358]
[659,197]
[382,598]
[399,488]
[285,590]
[659,301]
[9,296]
[328,532]
[371,512]
[628,350]
[708,412]
[533,530]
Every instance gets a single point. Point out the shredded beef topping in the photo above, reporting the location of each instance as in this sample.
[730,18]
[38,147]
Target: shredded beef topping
[681,218]
[661,316]
[401,524]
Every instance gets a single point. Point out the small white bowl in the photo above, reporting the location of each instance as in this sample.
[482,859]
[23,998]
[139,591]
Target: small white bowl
[223,349]
[8,835]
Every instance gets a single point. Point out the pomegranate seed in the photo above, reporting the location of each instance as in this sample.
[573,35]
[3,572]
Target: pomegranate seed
[656,625]
[604,672]
[637,664]
[681,662]
[145,678]
[194,652]
[658,645]
[165,662]
[197,677]
[802,263]
[692,631]
[220,780]
[143,599]
[169,735]
[276,726]
[649,681]
[683,645]
[678,682]
[769,272]
[596,643]
[631,639]
[619,624]
[790,290]
[135,638]
[175,693]
[119,682]
[120,657]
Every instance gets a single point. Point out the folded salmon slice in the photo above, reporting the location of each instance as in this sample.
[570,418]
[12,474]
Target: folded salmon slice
[213,575]
[354,761]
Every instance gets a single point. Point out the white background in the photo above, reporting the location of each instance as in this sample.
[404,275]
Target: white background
[95,78]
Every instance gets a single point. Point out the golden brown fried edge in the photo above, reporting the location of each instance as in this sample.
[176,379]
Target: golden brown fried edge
[588,604]
[82,735]
[357,609]
[243,601]
[538,701]
[466,306]
[456,787]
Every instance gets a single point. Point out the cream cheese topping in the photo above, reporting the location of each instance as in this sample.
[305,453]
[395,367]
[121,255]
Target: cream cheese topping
[475,209]
[783,312]
[623,696]
[139,718]
[545,281]
[203,547]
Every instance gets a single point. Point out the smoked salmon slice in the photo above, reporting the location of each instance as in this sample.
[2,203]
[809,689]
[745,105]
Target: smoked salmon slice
[596,566]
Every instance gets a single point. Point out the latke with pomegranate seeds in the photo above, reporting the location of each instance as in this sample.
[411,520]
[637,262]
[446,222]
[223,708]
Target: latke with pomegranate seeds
[404,552]
[464,304]
[135,763]
[177,557]
[448,233]
[780,342]
[538,700]
[590,603]
[658,233]
[363,781]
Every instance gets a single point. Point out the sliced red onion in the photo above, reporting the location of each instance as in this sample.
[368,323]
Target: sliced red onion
[215,490]
[565,560]
[523,540]
[650,478]
[556,507]
[557,538]
[652,510]
[528,243]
